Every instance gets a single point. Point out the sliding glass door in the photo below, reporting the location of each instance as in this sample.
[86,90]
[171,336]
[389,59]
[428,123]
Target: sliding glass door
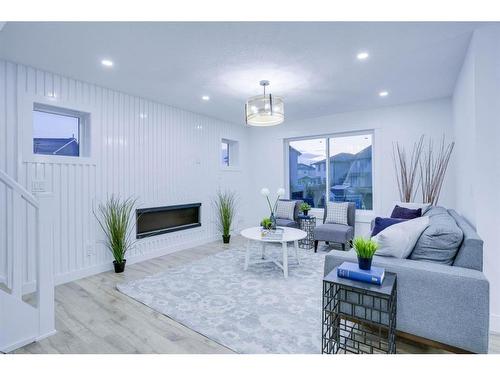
[344,176]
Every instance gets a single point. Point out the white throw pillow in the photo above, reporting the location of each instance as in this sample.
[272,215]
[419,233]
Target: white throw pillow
[285,210]
[336,213]
[398,240]
[414,206]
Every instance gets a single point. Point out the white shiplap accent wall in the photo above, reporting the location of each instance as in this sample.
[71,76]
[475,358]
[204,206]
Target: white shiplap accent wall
[169,157]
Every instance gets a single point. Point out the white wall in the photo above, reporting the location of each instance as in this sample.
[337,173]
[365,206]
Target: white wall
[476,103]
[404,124]
[170,157]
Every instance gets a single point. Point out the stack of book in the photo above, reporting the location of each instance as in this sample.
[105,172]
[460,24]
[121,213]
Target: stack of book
[273,234]
[351,271]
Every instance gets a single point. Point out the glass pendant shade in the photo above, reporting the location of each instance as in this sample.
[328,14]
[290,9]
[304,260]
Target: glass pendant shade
[265,110]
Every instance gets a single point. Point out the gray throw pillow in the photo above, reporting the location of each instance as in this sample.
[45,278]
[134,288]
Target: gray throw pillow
[285,210]
[440,241]
[336,213]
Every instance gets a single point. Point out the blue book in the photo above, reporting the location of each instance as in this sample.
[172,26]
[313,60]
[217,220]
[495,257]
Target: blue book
[351,271]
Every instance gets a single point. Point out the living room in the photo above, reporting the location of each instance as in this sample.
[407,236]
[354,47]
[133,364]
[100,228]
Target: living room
[230,197]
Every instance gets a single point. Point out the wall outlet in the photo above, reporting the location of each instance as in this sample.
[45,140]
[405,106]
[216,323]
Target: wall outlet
[38,186]
[89,250]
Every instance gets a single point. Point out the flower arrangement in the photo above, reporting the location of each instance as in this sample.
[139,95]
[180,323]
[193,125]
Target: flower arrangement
[279,193]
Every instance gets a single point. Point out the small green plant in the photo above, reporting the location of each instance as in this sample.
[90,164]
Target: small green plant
[225,205]
[304,207]
[266,223]
[365,248]
[115,220]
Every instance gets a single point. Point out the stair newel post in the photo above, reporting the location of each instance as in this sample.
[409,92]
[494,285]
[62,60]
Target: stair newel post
[17,246]
[45,262]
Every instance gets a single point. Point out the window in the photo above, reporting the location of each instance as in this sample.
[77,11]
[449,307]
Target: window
[349,174]
[225,154]
[307,171]
[229,154]
[58,131]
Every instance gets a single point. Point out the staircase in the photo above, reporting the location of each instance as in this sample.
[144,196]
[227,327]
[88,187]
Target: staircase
[25,315]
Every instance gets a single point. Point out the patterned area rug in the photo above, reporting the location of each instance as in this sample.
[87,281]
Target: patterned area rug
[254,311]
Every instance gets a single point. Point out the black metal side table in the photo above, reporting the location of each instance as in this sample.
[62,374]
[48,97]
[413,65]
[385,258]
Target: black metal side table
[307,224]
[359,317]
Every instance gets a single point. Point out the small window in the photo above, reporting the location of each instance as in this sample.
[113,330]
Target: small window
[225,154]
[57,131]
[229,154]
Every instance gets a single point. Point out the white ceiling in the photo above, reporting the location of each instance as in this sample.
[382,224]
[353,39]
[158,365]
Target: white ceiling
[313,65]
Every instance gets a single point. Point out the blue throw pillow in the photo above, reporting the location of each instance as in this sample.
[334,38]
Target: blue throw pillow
[405,213]
[383,222]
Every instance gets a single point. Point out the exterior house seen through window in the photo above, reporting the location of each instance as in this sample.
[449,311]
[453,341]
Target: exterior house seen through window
[225,154]
[344,176]
[56,133]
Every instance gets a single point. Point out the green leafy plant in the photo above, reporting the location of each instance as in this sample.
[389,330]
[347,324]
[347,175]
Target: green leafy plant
[266,223]
[304,207]
[225,205]
[115,221]
[365,248]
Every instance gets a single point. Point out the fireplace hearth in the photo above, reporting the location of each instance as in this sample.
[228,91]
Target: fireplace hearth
[154,221]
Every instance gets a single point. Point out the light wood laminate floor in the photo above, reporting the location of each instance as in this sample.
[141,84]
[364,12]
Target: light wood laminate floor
[93,317]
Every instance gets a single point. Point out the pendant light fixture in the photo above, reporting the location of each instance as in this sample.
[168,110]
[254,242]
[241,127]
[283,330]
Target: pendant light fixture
[264,110]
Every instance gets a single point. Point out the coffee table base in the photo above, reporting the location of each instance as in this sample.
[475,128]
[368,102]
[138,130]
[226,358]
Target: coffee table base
[283,265]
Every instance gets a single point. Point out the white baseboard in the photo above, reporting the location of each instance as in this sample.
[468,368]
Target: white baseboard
[17,345]
[495,323]
[45,335]
[30,287]
[108,266]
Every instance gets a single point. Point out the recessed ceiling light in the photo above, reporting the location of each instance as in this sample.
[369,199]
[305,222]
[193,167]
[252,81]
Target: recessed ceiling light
[205,98]
[106,62]
[383,93]
[362,55]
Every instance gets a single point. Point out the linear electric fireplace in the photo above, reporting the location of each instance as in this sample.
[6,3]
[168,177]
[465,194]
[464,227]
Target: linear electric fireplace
[158,220]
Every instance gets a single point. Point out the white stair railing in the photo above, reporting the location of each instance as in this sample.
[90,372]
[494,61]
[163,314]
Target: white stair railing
[21,323]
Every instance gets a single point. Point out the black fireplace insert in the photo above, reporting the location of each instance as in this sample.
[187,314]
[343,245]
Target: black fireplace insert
[159,220]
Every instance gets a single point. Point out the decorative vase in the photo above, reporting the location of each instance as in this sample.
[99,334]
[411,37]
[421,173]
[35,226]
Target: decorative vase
[365,263]
[305,212]
[273,221]
[119,267]
[225,239]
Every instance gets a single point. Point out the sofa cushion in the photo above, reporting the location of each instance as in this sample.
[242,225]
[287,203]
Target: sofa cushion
[399,240]
[440,240]
[380,223]
[415,206]
[405,213]
[470,253]
[333,232]
[286,223]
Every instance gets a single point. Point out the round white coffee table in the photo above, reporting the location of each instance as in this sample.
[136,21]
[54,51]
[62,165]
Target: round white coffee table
[289,235]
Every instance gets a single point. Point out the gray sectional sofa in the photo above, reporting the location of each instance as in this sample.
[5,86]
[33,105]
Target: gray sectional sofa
[445,303]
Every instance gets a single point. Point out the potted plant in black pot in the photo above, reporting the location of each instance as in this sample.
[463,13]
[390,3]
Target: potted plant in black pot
[225,206]
[365,249]
[115,220]
[304,208]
